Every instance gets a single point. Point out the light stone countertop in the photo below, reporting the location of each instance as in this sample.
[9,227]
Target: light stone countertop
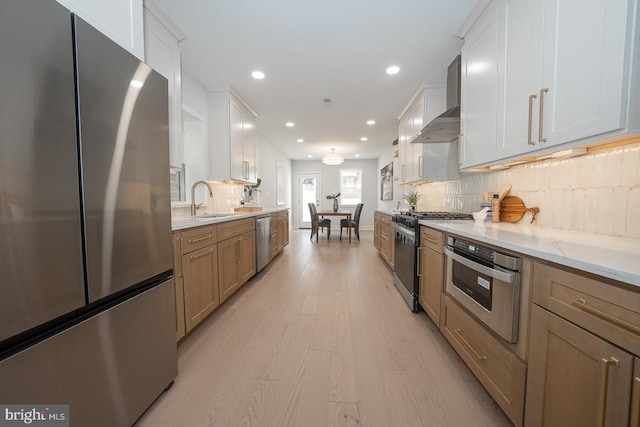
[183,223]
[616,258]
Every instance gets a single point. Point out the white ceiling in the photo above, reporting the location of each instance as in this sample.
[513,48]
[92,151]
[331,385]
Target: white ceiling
[316,49]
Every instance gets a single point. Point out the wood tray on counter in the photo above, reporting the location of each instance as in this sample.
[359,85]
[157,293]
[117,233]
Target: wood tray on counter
[248,209]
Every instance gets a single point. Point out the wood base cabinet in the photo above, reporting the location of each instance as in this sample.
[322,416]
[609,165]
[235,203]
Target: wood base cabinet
[635,397]
[431,272]
[200,271]
[575,378]
[279,232]
[583,352]
[383,236]
[236,255]
[500,372]
[195,276]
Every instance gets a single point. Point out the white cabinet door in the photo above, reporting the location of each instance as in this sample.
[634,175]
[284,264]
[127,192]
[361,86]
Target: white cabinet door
[479,87]
[163,55]
[403,147]
[232,138]
[427,104]
[120,20]
[520,79]
[249,147]
[242,144]
[236,130]
[583,69]
[417,119]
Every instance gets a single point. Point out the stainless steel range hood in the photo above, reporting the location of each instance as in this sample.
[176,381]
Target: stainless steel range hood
[445,127]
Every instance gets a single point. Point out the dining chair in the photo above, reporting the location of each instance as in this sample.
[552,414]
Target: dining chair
[324,222]
[355,221]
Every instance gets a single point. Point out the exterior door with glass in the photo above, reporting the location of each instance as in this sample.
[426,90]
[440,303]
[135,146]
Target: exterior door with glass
[309,192]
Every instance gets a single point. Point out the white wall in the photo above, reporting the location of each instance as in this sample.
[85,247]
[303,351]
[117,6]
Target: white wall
[268,157]
[330,182]
[398,190]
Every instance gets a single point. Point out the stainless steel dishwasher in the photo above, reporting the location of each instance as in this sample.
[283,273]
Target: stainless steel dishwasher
[263,241]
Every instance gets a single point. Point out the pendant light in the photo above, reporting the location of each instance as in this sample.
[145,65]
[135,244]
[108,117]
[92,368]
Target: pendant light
[332,159]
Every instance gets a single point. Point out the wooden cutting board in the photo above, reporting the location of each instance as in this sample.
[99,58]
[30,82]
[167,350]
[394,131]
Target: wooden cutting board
[248,209]
[512,209]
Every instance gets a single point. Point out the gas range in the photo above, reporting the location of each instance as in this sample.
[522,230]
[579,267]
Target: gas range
[406,247]
[410,219]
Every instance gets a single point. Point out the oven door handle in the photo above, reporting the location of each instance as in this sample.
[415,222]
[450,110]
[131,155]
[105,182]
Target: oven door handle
[491,272]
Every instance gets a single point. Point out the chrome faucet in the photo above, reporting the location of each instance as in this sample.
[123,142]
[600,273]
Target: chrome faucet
[193,196]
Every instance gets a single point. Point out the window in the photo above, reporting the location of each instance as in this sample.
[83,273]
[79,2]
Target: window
[351,186]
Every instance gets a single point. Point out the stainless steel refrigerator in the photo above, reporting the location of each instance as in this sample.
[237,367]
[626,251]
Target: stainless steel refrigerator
[87,313]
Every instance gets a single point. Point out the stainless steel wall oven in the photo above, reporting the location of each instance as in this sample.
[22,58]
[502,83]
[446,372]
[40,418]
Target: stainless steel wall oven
[487,283]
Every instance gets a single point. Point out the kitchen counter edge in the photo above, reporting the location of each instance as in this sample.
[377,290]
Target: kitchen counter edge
[616,258]
[186,222]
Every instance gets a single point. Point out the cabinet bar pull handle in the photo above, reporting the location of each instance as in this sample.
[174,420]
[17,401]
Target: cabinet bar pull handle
[604,388]
[531,98]
[581,304]
[207,252]
[635,403]
[200,239]
[465,342]
[419,263]
[431,239]
[420,166]
[542,92]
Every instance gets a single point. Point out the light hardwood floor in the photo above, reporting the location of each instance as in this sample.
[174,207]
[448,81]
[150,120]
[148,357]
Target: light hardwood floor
[321,338]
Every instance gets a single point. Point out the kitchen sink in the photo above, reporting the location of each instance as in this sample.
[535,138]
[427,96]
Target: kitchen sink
[216,215]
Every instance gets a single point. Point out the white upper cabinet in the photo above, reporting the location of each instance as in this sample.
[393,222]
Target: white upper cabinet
[428,102]
[232,139]
[583,69]
[163,55]
[120,20]
[520,78]
[480,57]
[546,72]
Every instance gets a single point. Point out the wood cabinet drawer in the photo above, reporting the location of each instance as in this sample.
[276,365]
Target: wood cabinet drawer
[230,229]
[386,232]
[381,217]
[607,309]
[197,238]
[431,238]
[499,371]
[385,219]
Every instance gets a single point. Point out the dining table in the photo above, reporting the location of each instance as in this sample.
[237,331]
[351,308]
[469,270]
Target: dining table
[321,214]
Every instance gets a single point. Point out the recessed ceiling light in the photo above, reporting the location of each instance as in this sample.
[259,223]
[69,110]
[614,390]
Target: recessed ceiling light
[309,156]
[394,69]
[258,75]
[357,155]
[364,138]
[300,140]
[290,124]
[371,122]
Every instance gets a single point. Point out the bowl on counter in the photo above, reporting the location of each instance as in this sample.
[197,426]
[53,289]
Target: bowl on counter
[479,216]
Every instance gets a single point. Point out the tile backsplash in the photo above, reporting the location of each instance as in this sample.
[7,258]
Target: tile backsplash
[226,196]
[598,192]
